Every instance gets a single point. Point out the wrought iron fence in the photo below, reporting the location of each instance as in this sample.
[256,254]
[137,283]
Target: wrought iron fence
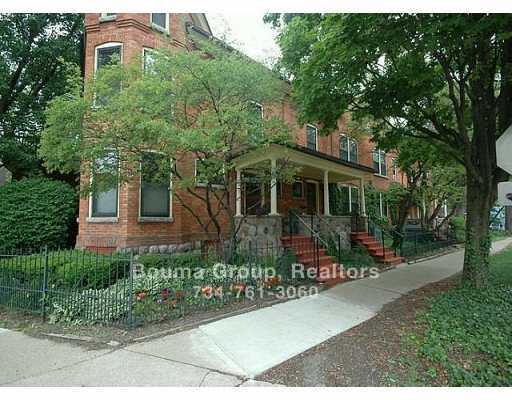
[87,287]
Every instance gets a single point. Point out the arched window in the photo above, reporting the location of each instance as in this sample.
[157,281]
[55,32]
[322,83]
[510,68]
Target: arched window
[348,149]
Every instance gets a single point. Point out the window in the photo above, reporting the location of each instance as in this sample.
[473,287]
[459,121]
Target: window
[155,186]
[257,109]
[298,190]
[104,17]
[379,162]
[160,21]
[148,59]
[108,54]
[348,149]
[104,197]
[207,172]
[255,120]
[311,137]
[395,169]
[383,207]
[349,199]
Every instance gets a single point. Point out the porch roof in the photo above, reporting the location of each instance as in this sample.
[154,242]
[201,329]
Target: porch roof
[303,157]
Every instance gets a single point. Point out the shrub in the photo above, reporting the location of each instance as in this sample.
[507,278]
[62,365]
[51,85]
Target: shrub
[459,226]
[36,213]
[66,269]
[190,261]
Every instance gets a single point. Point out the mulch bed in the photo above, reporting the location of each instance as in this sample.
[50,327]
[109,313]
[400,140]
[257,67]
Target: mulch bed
[369,354]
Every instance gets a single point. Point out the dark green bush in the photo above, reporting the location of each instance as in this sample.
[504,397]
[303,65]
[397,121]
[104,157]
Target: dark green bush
[36,213]
[190,261]
[66,269]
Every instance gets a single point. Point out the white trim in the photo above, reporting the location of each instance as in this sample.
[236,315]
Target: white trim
[103,46]
[316,136]
[158,27]
[141,218]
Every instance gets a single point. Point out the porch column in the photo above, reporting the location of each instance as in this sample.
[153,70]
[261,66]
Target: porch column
[238,193]
[273,187]
[361,193]
[327,211]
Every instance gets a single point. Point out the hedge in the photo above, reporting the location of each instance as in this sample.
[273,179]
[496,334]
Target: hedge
[35,213]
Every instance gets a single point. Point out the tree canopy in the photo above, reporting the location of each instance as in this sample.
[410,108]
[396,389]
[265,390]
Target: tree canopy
[34,49]
[445,78]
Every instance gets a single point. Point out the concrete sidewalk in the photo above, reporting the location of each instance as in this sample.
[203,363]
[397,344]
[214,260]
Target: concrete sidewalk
[225,352]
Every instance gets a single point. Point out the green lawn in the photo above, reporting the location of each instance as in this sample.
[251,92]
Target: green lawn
[468,335]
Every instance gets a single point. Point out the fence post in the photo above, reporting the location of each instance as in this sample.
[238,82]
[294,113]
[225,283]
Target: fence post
[130,294]
[45,283]
[415,244]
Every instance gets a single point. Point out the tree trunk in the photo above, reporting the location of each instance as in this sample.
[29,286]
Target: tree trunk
[476,255]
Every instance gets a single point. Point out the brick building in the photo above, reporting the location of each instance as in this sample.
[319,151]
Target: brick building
[129,217]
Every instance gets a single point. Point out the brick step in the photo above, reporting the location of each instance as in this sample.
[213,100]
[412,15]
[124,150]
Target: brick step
[379,253]
[368,242]
[309,252]
[323,261]
[393,260]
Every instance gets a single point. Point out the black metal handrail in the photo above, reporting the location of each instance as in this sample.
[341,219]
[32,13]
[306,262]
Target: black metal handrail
[393,234]
[315,237]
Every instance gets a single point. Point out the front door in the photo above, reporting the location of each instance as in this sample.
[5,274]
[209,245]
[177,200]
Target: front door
[311,198]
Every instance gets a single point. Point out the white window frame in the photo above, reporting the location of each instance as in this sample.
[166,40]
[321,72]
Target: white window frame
[382,154]
[170,218]
[349,139]
[103,46]
[115,219]
[158,27]
[394,169]
[350,188]
[203,185]
[316,136]
[382,205]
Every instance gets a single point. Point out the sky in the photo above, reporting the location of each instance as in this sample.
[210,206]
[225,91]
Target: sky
[248,33]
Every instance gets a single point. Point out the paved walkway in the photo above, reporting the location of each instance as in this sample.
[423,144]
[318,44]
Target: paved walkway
[222,353]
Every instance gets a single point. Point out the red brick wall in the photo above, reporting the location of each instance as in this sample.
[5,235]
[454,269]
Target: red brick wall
[135,32]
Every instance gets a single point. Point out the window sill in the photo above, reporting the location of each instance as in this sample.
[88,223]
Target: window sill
[156,220]
[381,176]
[108,18]
[102,220]
[159,29]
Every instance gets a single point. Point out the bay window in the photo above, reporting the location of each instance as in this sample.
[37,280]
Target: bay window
[105,190]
